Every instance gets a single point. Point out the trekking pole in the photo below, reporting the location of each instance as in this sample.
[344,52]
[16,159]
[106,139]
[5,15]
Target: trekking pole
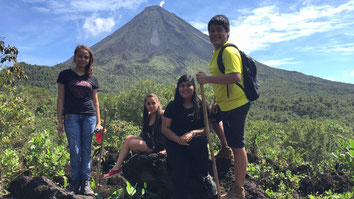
[101,150]
[206,124]
[104,128]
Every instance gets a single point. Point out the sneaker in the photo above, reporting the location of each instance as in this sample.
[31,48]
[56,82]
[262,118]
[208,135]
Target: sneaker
[112,173]
[225,153]
[209,185]
[85,188]
[73,187]
[235,192]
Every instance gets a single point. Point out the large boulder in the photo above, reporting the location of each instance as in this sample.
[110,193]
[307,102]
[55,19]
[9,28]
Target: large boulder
[26,187]
[153,169]
[138,169]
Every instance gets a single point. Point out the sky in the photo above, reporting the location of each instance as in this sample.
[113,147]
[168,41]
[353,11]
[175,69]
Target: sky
[314,37]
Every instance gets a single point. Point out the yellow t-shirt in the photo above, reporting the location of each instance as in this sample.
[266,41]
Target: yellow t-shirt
[233,64]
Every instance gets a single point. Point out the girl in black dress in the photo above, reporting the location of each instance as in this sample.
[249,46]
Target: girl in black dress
[186,146]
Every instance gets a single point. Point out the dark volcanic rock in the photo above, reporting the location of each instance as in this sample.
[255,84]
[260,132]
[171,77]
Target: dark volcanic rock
[319,183]
[39,187]
[153,169]
[253,191]
[138,169]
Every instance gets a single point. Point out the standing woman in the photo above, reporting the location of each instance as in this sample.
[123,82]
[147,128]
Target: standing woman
[150,140]
[187,152]
[78,106]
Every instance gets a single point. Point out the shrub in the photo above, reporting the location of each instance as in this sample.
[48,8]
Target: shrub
[45,157]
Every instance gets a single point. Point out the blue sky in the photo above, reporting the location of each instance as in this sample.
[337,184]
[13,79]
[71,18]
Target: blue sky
[314,37]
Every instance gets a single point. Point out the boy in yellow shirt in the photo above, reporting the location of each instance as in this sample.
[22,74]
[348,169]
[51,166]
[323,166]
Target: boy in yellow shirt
[233,104]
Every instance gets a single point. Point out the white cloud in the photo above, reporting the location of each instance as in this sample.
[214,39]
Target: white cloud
[42,9]
[351,74]
[266,25]
[200,25]
[33,1]
[329,78]
[332,47]
[77,6]
[161,3]
[96,25]
[279,62]
[346,48]
[78,10]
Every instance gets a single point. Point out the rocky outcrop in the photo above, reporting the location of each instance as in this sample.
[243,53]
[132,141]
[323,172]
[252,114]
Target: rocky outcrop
[39,187]
[153,169]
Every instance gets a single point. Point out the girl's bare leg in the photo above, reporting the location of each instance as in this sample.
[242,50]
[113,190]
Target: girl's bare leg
[134,143]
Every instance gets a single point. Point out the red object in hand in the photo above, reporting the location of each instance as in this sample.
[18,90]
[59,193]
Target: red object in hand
[98,134]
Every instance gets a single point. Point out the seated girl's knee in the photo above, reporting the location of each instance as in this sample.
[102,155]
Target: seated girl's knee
[129,137]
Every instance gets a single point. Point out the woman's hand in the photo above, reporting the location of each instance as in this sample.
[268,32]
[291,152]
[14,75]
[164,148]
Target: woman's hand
[181,141]
[98,126]
[60,129]
[187,137]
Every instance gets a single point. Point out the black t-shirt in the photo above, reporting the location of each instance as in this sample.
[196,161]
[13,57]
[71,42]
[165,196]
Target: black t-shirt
[78,92]
[183,119]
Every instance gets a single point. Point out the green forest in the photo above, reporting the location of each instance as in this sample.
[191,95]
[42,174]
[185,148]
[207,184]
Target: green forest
[286,128]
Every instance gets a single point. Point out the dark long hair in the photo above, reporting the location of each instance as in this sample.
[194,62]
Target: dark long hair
[89,66]
[146,112]
[195,98]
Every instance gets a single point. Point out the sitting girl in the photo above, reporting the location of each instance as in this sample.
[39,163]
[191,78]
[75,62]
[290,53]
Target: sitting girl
[150,140]
[186,146]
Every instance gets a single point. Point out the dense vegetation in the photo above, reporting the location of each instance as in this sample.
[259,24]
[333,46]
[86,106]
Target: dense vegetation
[287,128]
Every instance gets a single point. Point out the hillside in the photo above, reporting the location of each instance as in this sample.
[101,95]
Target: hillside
[155,44]
[299,133]
[159,45]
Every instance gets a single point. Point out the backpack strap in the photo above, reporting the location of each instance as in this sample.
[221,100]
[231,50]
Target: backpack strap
[221,65]
[219,61]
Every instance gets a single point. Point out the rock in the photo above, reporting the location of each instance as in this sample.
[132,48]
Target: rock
[140,168]
[153,169]
[253,191]
[39,187]
[319,183]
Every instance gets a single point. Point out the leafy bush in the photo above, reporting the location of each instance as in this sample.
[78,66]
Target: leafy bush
[132,192]
[16,120]
[345,157]
[9,167]
[45,157]
[118,131]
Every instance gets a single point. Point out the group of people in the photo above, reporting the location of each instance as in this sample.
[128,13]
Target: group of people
[178,130]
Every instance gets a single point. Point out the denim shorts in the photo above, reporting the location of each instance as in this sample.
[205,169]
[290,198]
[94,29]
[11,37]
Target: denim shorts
[234,125]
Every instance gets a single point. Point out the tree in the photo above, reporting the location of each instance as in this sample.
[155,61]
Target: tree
[10,70]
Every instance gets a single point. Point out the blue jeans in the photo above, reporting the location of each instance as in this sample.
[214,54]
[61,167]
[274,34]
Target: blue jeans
[79,130]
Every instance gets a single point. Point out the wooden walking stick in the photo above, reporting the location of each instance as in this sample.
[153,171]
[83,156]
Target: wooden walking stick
[207,130]
[101,150]
[104,128]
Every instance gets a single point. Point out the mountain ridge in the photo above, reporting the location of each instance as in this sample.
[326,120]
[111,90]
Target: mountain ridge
[159,45]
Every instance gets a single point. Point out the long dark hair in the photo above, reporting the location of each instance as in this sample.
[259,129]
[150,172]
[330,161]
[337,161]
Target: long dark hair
[89,66]
[195,98]
[146,112]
